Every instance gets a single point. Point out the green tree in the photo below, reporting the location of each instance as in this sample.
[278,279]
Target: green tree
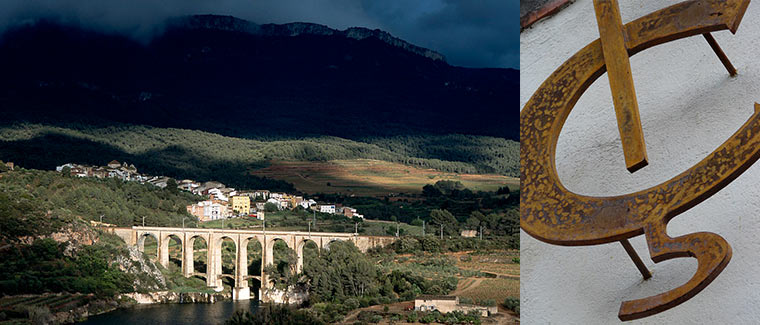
[472,223]
[445,218]
[171,185]
[431,191]
[271,207]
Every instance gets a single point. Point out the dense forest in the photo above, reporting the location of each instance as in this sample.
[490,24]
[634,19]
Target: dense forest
[206,156]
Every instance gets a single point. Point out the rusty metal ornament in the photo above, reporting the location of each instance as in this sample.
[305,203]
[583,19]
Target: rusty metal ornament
[551,213]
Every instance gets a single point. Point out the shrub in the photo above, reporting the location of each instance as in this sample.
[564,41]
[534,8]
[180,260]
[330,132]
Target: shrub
[40,315]
[351,303]
[513,304]
[428,318]
[365,315]
[412,317]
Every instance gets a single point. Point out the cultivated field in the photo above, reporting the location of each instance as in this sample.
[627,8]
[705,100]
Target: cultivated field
[484,278]
[502,263]
[366,177]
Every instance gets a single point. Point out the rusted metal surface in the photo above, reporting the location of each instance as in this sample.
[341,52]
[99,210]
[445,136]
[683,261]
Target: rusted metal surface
[636,259]
[612,37]
[547,9]
[551,213]
[719,52]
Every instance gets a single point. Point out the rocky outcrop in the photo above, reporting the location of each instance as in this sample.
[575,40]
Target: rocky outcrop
[149,277]
[295,296]
[165,297]
[229,23]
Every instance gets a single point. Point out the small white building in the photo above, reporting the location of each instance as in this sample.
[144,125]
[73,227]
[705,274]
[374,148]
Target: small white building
[327,208]
[215,211]
[447,304]
[60,168]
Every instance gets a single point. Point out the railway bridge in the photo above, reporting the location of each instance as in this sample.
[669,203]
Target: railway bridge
[214,237]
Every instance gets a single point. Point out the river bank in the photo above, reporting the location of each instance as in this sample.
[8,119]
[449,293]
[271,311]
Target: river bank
[64,308]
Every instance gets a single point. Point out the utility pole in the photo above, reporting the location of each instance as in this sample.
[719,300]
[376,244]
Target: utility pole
[441,231]
[396,229]
[356,227]
[183,223]
[423,228]
[101,219]
[309,228]
[143,221]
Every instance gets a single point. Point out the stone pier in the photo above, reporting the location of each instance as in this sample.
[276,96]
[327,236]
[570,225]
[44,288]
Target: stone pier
[241,238]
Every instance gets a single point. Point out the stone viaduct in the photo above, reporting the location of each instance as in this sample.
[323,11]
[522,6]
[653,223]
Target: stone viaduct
[214,238]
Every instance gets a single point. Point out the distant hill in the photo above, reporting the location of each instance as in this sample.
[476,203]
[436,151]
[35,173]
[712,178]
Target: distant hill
[215,97]
[206,156]
[236,78]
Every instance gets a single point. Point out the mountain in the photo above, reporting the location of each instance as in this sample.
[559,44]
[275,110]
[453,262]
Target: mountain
[236,78]
[229,23]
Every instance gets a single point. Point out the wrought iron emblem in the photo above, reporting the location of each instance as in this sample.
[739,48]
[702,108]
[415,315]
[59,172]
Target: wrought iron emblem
[551,213]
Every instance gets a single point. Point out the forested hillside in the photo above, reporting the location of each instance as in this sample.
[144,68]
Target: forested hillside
[207,73]
[37,203]
[213,97]
[204,156]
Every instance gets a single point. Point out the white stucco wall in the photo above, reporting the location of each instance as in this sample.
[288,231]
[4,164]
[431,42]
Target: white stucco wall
[689,106]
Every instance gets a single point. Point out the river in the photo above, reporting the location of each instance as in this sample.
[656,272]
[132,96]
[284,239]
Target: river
[215,313]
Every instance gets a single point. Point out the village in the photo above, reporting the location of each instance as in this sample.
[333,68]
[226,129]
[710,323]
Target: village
[222,202]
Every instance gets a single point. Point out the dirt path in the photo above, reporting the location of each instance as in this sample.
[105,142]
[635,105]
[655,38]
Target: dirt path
[392,308]
[501,275]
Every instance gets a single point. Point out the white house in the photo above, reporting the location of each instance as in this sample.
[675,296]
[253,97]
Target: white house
[214,211]
[60,168]
[327,208]
[218,194]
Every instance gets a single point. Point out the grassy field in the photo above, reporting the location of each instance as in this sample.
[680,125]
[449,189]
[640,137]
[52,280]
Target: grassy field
[501,263]
[367,177]
[482,276]
[496,290]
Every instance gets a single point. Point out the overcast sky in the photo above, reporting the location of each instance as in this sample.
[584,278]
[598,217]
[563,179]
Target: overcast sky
[469,33]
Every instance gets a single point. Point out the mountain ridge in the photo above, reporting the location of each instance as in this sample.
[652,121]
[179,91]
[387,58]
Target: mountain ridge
[231,23]
[305,85]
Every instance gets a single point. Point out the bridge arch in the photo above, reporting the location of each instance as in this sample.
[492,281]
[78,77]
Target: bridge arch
[281,257]
[165,246]
[251,262]
[141,242]
[226,252]
[330,241]
[300,252]
[194,243]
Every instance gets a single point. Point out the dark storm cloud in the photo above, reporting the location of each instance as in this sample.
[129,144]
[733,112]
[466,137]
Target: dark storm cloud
[469,33]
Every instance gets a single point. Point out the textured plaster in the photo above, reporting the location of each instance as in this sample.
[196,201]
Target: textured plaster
[689,106]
